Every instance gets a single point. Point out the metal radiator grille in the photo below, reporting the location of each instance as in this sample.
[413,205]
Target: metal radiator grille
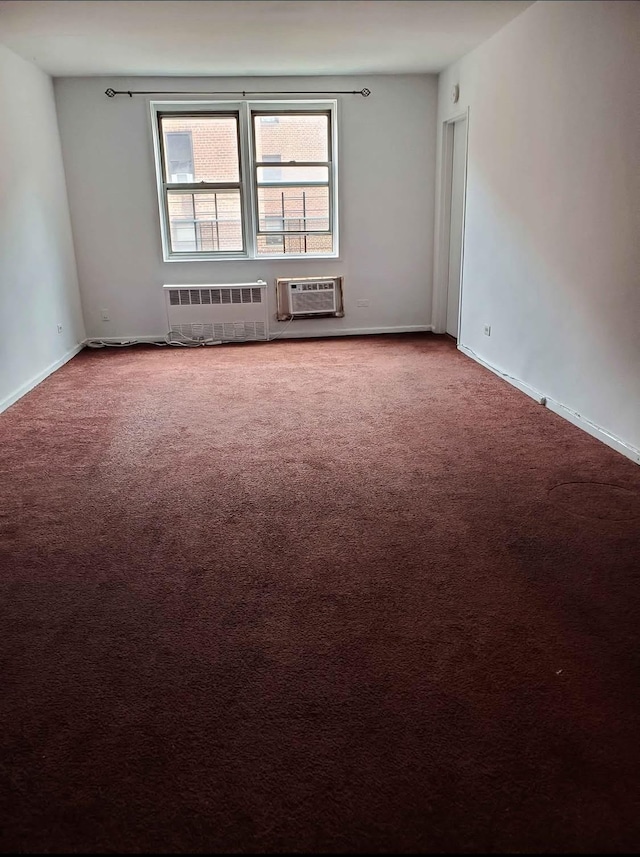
[197,297]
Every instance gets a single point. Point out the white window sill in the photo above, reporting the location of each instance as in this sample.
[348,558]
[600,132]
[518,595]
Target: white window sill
[260,259]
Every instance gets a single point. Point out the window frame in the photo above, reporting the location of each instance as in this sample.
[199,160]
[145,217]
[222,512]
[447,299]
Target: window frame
[248,185]
[257,165]
[196,187]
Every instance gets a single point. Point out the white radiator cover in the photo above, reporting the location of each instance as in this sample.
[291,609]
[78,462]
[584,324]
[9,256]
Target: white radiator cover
[229,312]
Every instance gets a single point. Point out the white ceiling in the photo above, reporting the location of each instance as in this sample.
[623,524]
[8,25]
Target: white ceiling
[248,37]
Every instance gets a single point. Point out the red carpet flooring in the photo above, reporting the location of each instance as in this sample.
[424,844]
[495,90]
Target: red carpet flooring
[347,595]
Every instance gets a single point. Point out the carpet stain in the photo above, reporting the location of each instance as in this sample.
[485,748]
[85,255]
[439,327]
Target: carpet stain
[600,500]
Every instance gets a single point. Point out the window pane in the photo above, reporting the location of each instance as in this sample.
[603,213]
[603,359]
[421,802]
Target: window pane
[205,221]
[272,174]
[179,156]
[267,175]
[297,245]
[293,209]
[293,137]
[203,148]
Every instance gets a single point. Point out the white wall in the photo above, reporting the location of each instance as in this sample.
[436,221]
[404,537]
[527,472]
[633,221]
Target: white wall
[38,279]
[386,193]
[552,244]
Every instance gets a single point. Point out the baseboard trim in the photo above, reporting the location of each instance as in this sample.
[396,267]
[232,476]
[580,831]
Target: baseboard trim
[562,410]
[594,430]
[12,398]
[515,382]
[161,338]
[349,331]
[285,333]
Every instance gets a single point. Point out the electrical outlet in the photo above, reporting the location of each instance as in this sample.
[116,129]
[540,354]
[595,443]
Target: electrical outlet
[363,302]
[487,330]
[104,315]
[59,328]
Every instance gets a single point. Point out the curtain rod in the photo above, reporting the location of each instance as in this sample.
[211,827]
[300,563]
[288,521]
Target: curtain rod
[111,93]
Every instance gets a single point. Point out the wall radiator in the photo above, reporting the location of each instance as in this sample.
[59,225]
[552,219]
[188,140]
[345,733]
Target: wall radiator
[229,312]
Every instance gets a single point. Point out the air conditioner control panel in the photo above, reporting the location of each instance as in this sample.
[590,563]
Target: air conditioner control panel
[313,287]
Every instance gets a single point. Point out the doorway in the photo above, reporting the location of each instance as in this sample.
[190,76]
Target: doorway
[453,210]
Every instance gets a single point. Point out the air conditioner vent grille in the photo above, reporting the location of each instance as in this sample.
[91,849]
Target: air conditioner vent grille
[312,302]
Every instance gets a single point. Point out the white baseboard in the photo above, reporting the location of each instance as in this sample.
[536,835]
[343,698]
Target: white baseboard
[126,340]
[349,331]
[515,382]
[37,379]
[562,410]
[594,430]
[281,332]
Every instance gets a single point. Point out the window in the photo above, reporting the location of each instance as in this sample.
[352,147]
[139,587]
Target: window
[221,195]
[203,204]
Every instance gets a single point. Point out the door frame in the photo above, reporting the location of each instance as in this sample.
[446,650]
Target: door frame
[443,223]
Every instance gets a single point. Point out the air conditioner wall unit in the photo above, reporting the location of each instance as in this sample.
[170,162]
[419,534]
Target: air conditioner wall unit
[309,297]
[229,312]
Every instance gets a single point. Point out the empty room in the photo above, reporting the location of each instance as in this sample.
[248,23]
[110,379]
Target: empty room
[319,426]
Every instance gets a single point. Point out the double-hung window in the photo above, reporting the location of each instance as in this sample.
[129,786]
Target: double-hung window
[246,180]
